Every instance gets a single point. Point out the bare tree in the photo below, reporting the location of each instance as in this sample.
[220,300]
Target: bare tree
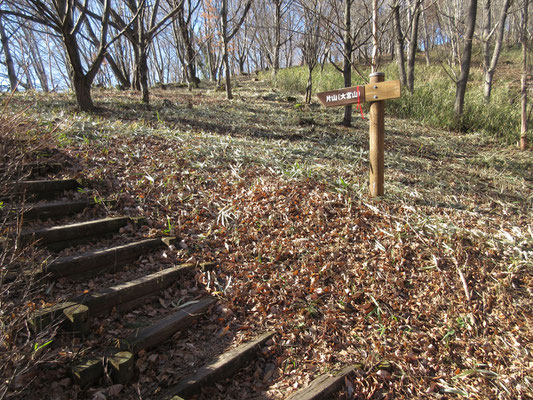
[490,63]
[312,41]
[10,65]
[400,55]
[66,18]
[227,32]
[141,34]
[465,63]
[184,34]
[524,40]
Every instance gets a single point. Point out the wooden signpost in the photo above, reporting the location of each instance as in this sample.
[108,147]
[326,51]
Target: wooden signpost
[375,92]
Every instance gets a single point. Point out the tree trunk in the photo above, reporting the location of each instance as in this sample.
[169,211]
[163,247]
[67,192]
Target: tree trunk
[277,37]
[375,42]
[225,56]
[82,86]
[309,88]
[143,76]
[36,60]
[9,59]
[487,22]
[119,75]
[465,64]
[192,79]
[426,39]
[523,128]
[400,57]
[347,71]
[491,68]
[83,93]
[413,42]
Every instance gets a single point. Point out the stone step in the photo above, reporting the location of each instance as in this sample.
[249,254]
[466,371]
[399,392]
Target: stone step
[165,328]
[60,237]
[56,209]
[222,367]
[120,296]
[81,265]
[324,387]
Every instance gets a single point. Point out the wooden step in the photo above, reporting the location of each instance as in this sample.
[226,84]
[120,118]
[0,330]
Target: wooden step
[73,316]
[165,328]
[89,371]
[118,364]
[107,258]
[33,169]
[222,367]
[121,295]
[56,209]
[324,387]
[60,237]
[46,186]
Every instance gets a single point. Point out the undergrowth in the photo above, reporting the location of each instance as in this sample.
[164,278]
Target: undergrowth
[432,101]
[21,352]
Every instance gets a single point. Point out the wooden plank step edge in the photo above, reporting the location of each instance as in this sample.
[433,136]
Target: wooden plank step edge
[165,328]
[120,366]
[51,185]
[74,316]
[103,301]
[111,257]
[78,230]
[222,367]
[324,386]
[89,370]
[56,209]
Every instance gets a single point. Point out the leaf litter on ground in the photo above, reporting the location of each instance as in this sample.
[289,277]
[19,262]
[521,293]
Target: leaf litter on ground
[428,289]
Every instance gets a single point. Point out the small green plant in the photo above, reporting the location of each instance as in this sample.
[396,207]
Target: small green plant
[448,336]
[168,230]
[37,346]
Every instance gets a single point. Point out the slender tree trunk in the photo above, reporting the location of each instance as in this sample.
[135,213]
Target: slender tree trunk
[427,46]
[119,75]
[211,60]
[192,79]
[465,64]
[142,65]
[400,56]
[523,128]
[309,88]
[490,68]
[375,41]
[413,42]
[277,36]
[487,23]
[36,59]
[225,56]
[347,70]
[12,75]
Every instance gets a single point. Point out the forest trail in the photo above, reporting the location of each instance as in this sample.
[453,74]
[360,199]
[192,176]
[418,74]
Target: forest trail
[426,290]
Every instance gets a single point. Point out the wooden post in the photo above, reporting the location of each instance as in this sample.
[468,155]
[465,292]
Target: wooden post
[377,139]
